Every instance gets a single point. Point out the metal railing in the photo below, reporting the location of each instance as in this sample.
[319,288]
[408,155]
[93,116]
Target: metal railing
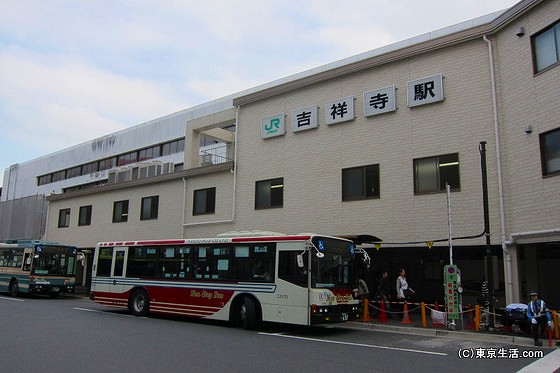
[216,154]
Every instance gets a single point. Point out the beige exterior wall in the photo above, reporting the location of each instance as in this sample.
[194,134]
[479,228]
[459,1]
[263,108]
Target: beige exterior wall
[167,225]
[311,162]
[209,225]
[532,202]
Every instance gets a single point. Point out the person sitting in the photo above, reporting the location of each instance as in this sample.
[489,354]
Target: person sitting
[539,315]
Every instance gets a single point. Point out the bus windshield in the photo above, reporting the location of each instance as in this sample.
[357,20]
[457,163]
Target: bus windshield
[335,268]
[54,261]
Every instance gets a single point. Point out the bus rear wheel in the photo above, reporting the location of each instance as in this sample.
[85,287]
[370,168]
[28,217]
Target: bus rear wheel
[249,314]
[14,288]
[139,303]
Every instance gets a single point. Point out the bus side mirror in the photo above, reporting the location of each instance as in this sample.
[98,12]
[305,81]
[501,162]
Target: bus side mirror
[300,260]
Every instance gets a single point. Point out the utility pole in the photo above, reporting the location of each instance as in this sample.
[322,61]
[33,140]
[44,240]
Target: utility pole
[489,264]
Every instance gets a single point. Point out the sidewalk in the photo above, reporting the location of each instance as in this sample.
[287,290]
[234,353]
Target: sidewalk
[463,330]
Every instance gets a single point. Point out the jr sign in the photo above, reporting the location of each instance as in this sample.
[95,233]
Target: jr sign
[273,126]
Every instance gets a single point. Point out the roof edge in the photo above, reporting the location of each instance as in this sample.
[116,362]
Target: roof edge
[437,39]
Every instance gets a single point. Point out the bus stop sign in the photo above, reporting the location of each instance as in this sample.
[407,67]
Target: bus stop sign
[452,277]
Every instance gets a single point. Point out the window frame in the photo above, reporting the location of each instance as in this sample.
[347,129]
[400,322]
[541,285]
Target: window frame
[64,218]
[555,28]
[209,201]
[438,173]
[84,216]
[123,217]
[151,212]
[544,157]
[274,188]
[349,180]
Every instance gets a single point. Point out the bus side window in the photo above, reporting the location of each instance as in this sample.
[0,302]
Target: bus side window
[262,257]
[242,263]
[27,262]
[289,270]
[104,261]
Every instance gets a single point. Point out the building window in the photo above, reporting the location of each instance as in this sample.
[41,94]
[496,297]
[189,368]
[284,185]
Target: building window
[45,179]
[204,201]
[149,153]
[360,183]
[58,176]
[546,47]
[431,174]
[127,158]
[90,168]
[108,163]
[550,152]
[269,193]
[64,218]
[85,215]
[120,211]
[74,172]
[150,207]
[173,147]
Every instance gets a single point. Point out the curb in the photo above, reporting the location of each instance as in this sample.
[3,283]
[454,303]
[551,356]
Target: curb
[483,337]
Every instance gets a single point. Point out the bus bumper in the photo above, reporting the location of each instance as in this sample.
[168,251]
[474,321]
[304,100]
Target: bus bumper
[50,289]
[334,314]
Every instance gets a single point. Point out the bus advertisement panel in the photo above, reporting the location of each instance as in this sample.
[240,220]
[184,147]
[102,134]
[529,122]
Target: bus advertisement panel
[301,279]
[37,267]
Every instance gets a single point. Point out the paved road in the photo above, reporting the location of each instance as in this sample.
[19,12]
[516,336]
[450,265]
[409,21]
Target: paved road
[76,335]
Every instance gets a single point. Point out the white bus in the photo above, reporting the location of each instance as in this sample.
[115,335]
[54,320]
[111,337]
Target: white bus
[303,279]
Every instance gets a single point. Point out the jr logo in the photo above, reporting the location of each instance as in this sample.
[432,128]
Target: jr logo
[273,126]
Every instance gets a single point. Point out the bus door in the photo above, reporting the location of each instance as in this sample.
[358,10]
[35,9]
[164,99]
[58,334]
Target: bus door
[292,293]
[118,269]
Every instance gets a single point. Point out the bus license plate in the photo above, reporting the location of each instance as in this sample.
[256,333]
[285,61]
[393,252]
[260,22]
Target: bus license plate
[344,317]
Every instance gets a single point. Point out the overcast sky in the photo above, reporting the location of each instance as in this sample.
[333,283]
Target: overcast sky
[75,70]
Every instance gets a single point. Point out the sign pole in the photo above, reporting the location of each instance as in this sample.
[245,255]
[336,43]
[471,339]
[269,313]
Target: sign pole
[450,236]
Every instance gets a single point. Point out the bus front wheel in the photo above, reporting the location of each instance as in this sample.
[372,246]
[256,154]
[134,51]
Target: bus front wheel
[249,313]
[14,288]
[139,304]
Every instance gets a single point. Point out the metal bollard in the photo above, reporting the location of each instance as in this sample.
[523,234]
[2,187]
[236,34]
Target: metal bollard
[423,311]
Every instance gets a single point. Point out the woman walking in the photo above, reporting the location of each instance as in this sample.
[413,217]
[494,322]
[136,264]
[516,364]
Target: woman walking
[404,291]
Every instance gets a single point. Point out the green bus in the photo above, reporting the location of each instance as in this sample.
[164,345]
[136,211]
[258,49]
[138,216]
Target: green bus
[37,267]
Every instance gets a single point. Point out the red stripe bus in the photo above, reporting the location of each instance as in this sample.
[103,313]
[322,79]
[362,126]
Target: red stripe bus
[303,279]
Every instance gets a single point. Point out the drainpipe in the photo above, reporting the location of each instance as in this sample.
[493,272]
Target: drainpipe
[234,171]
[184,207]
[13,170]
[234,187]
[507,255]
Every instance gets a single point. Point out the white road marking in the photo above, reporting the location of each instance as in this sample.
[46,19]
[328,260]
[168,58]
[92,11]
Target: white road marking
[355,344]
[13,299]
[105,312]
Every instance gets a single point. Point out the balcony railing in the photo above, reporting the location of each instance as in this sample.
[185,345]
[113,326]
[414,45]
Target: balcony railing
[216,154]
